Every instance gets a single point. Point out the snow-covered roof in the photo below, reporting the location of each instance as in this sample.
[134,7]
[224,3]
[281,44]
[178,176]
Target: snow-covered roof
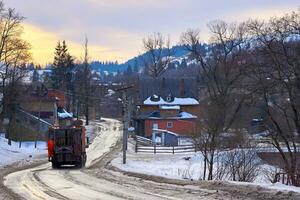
[186,115]
[166,131]
[177,101]
[168,107]
[110,93]
[43,71]
[64,114]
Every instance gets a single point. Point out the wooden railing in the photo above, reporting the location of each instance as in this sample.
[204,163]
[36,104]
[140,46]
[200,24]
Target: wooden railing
[145,145]
[165,149]
[287,179]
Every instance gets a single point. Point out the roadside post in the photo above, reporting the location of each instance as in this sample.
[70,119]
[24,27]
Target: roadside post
[125,115]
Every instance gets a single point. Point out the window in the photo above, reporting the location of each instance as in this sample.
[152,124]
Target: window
[169,99]
[170,124]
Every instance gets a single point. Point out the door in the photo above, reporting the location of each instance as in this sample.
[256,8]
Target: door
[154,126]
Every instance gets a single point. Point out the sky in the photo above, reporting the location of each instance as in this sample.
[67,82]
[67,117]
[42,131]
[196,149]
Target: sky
[115,28]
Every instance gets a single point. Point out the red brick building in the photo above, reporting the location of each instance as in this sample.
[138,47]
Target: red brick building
[176,115]
[181,127]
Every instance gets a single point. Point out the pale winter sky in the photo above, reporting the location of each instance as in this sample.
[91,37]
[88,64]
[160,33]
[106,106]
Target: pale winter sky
[115,28]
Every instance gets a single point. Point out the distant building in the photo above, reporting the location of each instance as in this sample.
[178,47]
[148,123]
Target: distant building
[40,108]
[179,87]
[41,102]
[173,115]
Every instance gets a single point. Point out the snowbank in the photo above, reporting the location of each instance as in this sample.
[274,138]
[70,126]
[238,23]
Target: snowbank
[183,166]
[27,152]
[275,186]
[168,166]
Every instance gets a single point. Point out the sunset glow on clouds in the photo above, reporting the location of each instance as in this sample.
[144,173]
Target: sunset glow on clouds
[43,44]
[115,28]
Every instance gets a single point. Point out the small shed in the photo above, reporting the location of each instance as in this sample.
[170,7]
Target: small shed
[164,137]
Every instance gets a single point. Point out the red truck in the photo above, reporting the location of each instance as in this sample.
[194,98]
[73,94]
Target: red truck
[67,145]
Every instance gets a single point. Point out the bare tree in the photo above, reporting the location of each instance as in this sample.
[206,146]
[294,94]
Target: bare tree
[240,163]
[157,54]
[14,52]
[86,78]
[276,72]
[221,71]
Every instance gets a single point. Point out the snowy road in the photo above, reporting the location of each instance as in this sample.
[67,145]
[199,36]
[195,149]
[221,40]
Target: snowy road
[43,182]
[99,182]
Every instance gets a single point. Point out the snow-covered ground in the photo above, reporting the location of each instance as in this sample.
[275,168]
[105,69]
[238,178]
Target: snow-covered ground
[10,154]
[102,143]
[168,166]
[183,166]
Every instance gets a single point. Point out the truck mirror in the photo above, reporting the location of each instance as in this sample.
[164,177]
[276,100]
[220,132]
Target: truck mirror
[87,142]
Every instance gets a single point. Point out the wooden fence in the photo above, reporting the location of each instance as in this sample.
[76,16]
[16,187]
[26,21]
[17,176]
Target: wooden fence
[286,179]
[144,145]
[164,149]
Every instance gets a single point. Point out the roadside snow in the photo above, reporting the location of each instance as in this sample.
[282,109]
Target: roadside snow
[183,166]
[275,186]
[27,152]
[168,166]
[103,142]
[177,166]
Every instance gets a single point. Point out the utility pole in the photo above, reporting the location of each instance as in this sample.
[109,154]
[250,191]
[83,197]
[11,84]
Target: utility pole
[125,126]
[125,115]
[39,123]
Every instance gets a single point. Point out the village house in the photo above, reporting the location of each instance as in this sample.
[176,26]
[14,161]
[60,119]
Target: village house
[40,108]
[175,117]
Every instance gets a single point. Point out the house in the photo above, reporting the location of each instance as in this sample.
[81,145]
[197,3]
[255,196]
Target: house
[40,108]
[41,102]
[153,103]
[176,116]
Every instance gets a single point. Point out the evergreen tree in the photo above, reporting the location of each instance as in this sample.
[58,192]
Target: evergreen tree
[35,76]
[62,68]
[183,64]
[135,67]
[171,66]
[129,70]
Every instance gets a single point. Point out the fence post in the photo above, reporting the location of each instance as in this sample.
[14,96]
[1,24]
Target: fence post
[136,146]
[155,148]
[173,149]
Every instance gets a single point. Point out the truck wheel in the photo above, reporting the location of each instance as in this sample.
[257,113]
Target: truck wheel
[79,164]
[55,165]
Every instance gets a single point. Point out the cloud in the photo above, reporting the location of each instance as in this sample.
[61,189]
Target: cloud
[43,46]
[118,26]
